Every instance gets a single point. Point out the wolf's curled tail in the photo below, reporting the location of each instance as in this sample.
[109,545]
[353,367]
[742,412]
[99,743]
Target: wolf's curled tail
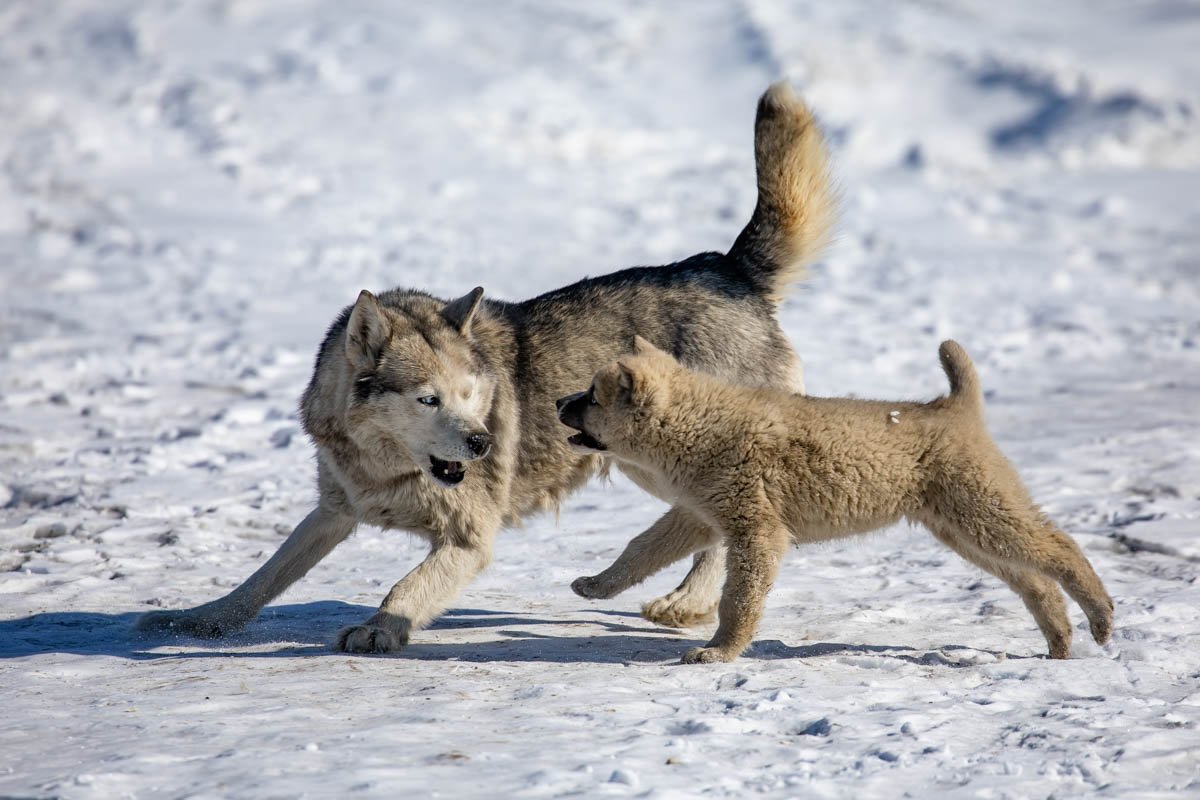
[796,206]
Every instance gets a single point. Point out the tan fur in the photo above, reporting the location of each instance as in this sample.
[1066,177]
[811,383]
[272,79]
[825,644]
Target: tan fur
[766,469]
[495,369]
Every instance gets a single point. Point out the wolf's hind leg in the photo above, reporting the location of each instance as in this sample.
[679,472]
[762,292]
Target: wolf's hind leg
[677,534]
[311,541]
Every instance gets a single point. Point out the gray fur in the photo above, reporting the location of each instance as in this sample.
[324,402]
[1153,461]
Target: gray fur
[386,451]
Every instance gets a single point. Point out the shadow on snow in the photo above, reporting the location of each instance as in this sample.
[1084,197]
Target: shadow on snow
[306,629]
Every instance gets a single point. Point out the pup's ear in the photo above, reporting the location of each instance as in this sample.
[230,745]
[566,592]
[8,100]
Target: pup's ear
[460,312]
[643,347]
[634,380]
[613,383]
[626,378]
[367,332]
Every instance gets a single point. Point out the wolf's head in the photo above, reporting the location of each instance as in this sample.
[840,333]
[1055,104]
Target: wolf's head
[611,416]
[418,383]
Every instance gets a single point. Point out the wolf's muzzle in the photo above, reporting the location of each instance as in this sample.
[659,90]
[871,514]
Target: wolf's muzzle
[479,444]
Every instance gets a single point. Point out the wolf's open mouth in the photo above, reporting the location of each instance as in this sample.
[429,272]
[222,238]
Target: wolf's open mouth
[450,473]
[583,440]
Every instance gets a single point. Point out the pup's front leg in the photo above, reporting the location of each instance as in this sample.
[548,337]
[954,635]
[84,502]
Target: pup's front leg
[675,535]
[752,562]
[694,600]
[418,597]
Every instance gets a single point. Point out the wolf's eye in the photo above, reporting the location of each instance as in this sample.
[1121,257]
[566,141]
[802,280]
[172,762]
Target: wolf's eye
[592,396]
[431,400]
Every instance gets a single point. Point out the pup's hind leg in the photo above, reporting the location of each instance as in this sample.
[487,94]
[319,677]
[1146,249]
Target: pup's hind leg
[1057,555]
[1040,594]
[1011,530]
[677,534]
[694,601]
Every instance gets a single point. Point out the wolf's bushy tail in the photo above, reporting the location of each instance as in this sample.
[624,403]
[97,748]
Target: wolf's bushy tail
[796,206]
[965,391]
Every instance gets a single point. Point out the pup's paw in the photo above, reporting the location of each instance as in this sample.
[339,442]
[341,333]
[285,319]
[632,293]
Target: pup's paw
[186,623]
[368,638]
[1059,650]
[674,614]
[1060,645]
[1101,629]
[707,655]
[592,588]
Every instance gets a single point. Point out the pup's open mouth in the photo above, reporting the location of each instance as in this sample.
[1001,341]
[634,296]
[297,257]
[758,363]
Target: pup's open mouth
[450,473]
[581,439]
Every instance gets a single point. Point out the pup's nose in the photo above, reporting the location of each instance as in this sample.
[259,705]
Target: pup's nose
[479,444]
[563,401]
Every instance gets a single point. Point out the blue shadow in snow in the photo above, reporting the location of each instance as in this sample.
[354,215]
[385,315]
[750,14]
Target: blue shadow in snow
[305,629]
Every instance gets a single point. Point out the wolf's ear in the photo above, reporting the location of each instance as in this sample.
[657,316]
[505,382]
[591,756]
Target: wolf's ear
[460,312]
[367,332]
[643,347]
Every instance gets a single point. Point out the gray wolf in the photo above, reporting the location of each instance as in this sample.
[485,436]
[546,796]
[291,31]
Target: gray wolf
[765,468]
[437,417]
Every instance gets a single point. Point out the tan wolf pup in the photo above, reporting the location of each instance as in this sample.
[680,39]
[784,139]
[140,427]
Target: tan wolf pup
[766,469]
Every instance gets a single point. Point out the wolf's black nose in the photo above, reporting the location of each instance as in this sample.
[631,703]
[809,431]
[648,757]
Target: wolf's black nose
[479,444]
[560,402]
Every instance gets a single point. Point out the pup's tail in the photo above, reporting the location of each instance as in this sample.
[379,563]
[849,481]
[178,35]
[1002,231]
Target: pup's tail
[796,206]
[965,391]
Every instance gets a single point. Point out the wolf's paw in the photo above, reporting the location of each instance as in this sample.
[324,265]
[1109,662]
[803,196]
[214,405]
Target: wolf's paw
[674,614]
[592,588]
[187,623]
[1101,629]
[368,638]
[707,655]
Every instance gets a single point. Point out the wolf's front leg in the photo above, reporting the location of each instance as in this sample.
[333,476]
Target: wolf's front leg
[418,597]
[311,541]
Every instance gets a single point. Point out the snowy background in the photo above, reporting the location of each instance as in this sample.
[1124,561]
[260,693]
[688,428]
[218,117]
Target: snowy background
[190,191]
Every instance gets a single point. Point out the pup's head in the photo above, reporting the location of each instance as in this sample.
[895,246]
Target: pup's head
[610,416]
[418,383]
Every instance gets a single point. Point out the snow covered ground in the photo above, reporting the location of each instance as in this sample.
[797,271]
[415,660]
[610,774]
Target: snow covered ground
[190,191]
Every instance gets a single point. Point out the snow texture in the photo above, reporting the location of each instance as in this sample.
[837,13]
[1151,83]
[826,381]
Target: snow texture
[190,191]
